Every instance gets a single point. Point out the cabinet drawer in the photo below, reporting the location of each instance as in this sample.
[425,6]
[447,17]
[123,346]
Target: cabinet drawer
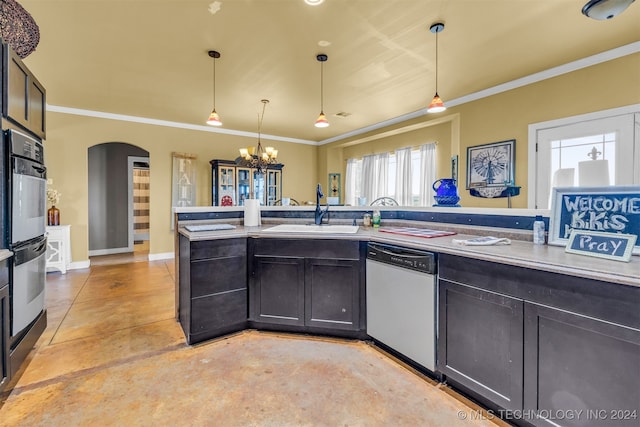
[308,248]
[211,276]
[586,296]
[218,248]
[218,311]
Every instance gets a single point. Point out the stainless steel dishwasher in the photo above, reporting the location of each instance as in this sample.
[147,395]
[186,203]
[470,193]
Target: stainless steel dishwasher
[401,301]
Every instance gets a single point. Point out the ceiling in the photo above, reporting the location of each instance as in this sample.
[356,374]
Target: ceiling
[148,58]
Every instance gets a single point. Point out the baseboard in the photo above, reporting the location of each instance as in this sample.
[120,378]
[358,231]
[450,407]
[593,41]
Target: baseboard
[79,265]
[161,256]
[110,251]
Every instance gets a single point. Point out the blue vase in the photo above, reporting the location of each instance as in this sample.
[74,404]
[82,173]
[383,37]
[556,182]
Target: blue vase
[446,192]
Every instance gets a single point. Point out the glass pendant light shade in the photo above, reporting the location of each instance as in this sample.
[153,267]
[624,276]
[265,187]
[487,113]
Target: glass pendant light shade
[214,119]
[436,105]
[322,121]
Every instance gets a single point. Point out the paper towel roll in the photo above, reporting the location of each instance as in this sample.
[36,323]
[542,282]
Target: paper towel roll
[252,213]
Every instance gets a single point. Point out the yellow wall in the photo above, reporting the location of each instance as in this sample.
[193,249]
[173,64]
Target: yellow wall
[504,116]
[69,138]
[501,117]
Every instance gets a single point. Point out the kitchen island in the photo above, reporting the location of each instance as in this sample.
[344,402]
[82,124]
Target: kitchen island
[521,327]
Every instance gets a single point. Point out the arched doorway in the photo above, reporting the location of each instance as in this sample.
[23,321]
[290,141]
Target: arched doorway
[116,169]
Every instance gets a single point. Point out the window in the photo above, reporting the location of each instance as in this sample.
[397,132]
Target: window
[593,150]
[393,177]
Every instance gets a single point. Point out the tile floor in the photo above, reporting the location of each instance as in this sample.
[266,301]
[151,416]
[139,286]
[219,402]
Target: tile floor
[112,354]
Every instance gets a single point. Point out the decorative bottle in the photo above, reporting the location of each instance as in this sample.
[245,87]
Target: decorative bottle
[376,219]
[538,231]
[53,216]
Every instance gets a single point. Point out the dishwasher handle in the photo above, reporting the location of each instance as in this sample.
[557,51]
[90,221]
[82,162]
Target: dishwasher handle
[402,257]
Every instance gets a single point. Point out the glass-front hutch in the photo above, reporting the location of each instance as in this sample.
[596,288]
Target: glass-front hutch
[231,184]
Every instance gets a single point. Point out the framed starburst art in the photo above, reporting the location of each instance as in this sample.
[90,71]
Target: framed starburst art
[491,165]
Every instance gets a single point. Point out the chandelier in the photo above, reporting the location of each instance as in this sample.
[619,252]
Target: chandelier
[258,157]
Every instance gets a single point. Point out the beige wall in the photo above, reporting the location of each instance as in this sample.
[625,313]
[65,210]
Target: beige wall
[500,117]
[70,136]
[496,118]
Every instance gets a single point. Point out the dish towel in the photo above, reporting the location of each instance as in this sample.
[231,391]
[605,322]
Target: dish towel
[482,241]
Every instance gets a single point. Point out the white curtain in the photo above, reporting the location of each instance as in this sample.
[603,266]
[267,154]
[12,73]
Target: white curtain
[427,173]
[350,185]
[375,170]
[404,189]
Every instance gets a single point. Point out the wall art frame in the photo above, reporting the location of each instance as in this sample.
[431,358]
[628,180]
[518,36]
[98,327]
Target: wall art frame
[491,165]
[335,185]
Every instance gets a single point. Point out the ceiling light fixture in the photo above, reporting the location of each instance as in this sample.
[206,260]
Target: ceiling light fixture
[322,121]
[18,28]
[605,9]
[258,157]
[214,118]
[313,2]
[436,105]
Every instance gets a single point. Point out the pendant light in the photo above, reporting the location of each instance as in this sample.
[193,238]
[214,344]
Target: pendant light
[436,105]
[322,121]
[214,118]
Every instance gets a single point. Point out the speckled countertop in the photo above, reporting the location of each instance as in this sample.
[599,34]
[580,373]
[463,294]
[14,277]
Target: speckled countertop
[519,253]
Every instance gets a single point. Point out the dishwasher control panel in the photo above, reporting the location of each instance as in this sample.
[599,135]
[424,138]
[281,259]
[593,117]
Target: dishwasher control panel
[413,259]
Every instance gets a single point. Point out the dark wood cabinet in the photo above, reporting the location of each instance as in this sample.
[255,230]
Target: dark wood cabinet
[332,293]
[577,363]
[517,338]
[309,285]
[481,345]
[24,100]
[213,287]
[279,290]
[4,335]
[231,184]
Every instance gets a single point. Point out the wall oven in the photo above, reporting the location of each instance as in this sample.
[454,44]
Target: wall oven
[25,232]
[27,294]
[27,192]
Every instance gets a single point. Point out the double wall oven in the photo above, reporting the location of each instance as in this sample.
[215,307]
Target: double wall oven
[25,233]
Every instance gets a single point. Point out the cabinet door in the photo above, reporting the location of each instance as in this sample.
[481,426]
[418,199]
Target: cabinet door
[332,293]
[480,342]
[576,363]
[4,336]
[37,107]
[244,179]
[17,105]
[279,290]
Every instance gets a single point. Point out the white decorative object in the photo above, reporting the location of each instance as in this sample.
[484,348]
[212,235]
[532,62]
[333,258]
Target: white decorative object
[58,248]
[490,192]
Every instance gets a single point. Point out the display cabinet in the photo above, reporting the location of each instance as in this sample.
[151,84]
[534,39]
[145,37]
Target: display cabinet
[231,184]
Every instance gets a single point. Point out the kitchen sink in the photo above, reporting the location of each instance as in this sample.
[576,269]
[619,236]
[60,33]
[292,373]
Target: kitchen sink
[312,228]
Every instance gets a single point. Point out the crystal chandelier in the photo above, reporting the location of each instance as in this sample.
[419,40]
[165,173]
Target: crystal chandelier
[258,157]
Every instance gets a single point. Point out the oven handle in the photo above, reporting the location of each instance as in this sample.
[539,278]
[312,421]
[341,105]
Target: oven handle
[40,169]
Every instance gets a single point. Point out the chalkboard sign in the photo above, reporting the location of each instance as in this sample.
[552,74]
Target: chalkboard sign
[605,209]
[614,246]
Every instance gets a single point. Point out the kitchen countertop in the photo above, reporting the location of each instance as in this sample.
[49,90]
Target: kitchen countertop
[4,254]
[519,253]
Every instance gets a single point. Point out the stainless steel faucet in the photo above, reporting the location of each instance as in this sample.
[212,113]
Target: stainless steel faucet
[319,212]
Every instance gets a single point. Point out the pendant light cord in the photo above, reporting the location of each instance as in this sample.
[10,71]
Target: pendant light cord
[437,61]
[214,84]
[322,87]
